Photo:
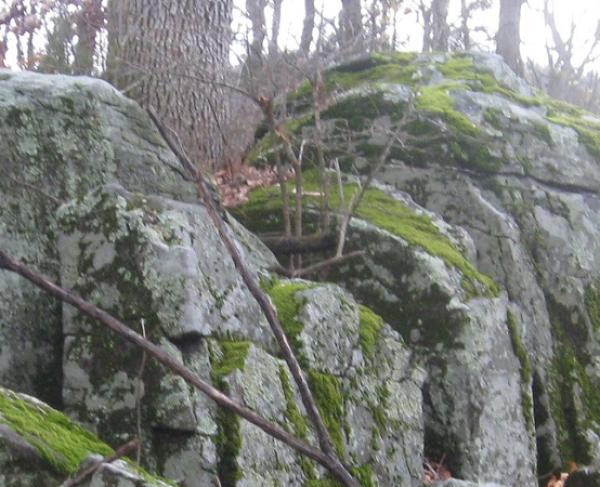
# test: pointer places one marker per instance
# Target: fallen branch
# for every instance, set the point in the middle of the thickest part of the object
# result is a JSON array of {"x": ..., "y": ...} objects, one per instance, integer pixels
[
  {"x": 299, "y": 245},
  {"x": 88, "y": 309},
  {"x": 334, "y": 465},
  {"x": 324, "y": 264},
  {"x": 92, "y": 469}
]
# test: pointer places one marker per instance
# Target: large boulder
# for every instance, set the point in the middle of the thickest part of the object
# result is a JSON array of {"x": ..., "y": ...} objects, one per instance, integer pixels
[
  {"x": 93, "y": 198},
  {"x": 159, "y": 265},
  {"x": 59, "y": 138},
  {"x": 493, "y": 181}
]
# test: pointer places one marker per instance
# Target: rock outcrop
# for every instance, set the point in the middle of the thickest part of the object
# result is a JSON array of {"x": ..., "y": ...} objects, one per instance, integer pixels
[
  {"x": 480, "y": 236},
  {"x": 481, "y": 239},
  {"x": 159, "y": 264},
  {"x": 93, "y": 198},
  {"x": 60, "y": 137}
]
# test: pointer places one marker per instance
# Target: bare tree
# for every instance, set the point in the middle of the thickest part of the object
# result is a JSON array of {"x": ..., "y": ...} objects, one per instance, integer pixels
[
  {"x": 275, "y": 25},
  {"x": 440, "y": 30},
  {"x": 308, "y": 26},
  {"x": 351, "y": 25},
  {"x": 154, "y": 48},
  {"x": 467, "y": 8},
  {"x": 508, "y": 37},
  {"x": 436, "y": 31},
  {"x": 566, "y": 77},
  {"x": 255, "y": 10}
]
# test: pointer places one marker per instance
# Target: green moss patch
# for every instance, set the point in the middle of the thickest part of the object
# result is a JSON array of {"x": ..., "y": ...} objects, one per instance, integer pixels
[
  {"x": 62, "y": 443},
  {"x": 436, "y": 99},
  {"x": 299, "y": 425},
  {"x": 397, "y": 68},
  {"x": 327, "y": 390},
  {"x": 592, "y": 304},
  {"x": 575, "y": 404},
  {"x": 359, "y": 111},
  {"x": 588, "y": 131},
  {"x": 230, "y": 357},
  {"x": 461, "y": 67},
  {"x": 363, "y": 474},
  {"x": 283, "y": 295},
  {"x": 389, "y": 214},
  {"x": 524, "y": 369},
  {"x": 370, "y": 326},
  {"x": 381, "y": 210},
  {"x": 233, "y": 355}
]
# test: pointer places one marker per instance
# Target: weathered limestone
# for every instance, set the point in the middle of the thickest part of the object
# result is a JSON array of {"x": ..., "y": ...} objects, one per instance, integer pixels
[
  {"x": 59, "y": 138},
  {"x": 142, "y": 258},
  {"x": 510, "y": 179}
]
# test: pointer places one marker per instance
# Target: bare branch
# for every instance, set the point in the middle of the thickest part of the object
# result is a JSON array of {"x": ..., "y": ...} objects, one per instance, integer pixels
[
  {"x": 319, "y": 266},
  {"x": 334, "y": 464},
  {"x": 87, "y": 308}
]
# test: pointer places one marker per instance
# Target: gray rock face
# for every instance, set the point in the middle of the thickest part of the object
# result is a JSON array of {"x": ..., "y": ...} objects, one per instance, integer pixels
[
  {"x": 141, "y": 258},
  {"x": 59, "y": 138},
  {"x": 511, "y": 179},
  {"x": 91, "y": 198},
  {"x": 475, "y": 402}
]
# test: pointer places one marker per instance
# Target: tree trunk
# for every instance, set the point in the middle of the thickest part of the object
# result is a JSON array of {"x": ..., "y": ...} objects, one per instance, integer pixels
[
  {"x": 351, "y": 28},
  {"x": 158, "y": 54},
  {"x": 255, "y": 9},
  {"x": 508, "y": 38},
  {"x": 275, "y": 24},
  {"x": 440, "y": 31},
  {"x": 426, "y": 13},
  {"x": 308, "y": 26},
  {"x": 465, "y": 33}
]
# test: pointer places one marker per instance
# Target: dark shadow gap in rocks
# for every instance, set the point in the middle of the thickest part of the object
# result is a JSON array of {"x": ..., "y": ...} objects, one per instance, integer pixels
[
  {"x": 188, "y": 342},
  {"x": 547, "y": 458},
  {"x": 438, "y": 443}
]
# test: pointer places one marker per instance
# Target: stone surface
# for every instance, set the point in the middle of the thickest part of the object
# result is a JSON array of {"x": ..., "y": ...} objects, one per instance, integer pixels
[
  {"x": 481, "y": 238},
  {"x": 156, "y": 260},
  {"x": 59, "y": 138},
  {"x": 511, "y": 178}
]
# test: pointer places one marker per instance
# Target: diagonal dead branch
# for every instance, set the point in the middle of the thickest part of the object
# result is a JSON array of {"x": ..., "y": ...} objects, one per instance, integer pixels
[
  {"x": 334, "y": 464},
  {"x": 88, "y": 309}
]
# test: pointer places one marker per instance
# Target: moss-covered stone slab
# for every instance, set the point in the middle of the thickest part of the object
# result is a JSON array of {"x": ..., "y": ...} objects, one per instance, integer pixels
[{"x": 41, "y": 446}]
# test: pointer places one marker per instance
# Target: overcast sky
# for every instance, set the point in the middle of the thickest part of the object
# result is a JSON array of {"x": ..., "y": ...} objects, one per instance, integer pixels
[{"x": 585, "y": 13}]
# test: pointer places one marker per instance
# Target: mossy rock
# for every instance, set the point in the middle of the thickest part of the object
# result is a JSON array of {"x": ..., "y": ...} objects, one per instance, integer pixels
[{"x": 57, "y": 444}]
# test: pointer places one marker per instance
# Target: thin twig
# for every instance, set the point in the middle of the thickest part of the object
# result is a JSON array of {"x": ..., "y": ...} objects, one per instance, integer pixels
[
  {"x": 18, "y": 182},
  {"x": 92, "y": 469},
  {"x": 324, "y": 264},
  {"x": 138, "y": 399}
]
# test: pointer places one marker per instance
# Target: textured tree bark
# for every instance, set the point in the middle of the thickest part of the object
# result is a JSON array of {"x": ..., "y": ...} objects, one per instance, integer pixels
[
  {"x": 508, "y": 38},
  {"x": 308, "y": 26},
  {"x": 275, "y": 24},
  {"x": 351, "y": 27},
  {"x": 440, "y": 31},
  {"x": 255, "y": 9},
  {"x": 155, "y": 50},
  {"x": 426, "y": 13}
]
